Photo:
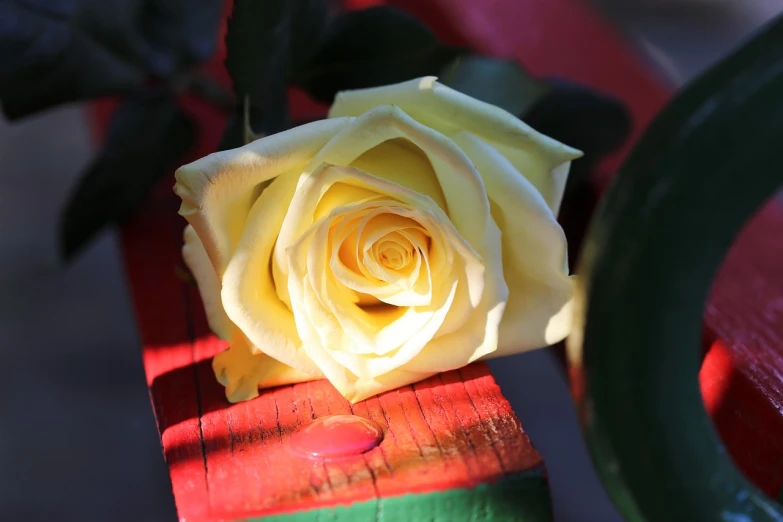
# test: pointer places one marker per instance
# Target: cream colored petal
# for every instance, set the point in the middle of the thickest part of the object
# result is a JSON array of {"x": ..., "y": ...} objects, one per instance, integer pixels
[
  {"x": 535, "y": 155},
  {"x": 243, "y": 371},
  {"x": 314, "y": 185},
  {"x": 249, "y": 295},
  {"x": 218, "y": 190},
  {"x": 329, "y": 332},
  {"x": 535, "y": 254},
  {"x": 359, "y": 390},
  {"x": 461, "y": 185},
  {"x": 299, "y": 219},
  {"x": 208, "y": 283},
  {"x": 364, "y": 331},
  {"x": 365, "y": 279},
  {"x": 402, "y": 161},
  {"x": 475, "y": 339},
  {"x": 477, "y": 335}
]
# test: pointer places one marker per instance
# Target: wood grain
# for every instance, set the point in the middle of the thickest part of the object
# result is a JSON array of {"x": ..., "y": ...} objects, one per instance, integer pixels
[{"x": 742, "y": 374}]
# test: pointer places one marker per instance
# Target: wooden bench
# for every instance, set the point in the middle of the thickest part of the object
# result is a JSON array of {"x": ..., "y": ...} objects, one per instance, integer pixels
[{"x": 453, "y": 442}]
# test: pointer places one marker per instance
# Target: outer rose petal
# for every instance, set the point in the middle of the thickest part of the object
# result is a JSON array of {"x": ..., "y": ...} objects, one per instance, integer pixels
[
  {"x": 218, "y": 190},
  {"x": 461, "y": 184},
  {"x": 242, "y": 372},
  {"x": 249, "y": 295},
  {"x": 535, "y": 254},
  {"x": 533, "y": 154},
  {"x": 208, "y": 283}
]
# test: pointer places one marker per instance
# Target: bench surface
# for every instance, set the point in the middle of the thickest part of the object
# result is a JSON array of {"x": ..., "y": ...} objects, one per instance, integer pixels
[{"x": 742, "y": 374}]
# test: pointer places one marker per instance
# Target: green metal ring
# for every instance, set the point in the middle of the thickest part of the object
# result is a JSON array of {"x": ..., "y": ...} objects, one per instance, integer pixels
[{"x": 707, "y": 163}]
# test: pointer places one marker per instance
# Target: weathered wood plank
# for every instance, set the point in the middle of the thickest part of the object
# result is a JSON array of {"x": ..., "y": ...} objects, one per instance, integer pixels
[{"x": 742, "y": 374}]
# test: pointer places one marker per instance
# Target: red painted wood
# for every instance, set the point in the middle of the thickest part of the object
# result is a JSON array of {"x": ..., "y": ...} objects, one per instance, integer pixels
[{"x": 742, "y": 374}]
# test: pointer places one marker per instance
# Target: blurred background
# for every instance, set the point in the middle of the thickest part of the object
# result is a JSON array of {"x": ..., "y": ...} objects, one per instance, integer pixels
[{"x": 77, "y": 435}]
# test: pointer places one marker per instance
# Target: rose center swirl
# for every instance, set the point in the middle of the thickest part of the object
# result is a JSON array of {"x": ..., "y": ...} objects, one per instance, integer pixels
[{"x": 383, "y": 255}]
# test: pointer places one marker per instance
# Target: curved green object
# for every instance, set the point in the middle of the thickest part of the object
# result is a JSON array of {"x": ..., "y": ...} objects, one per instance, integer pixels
[{"x": 711, "y": 159}]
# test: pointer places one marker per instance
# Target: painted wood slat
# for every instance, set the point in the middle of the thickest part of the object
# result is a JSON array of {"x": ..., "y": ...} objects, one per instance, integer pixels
[{"x": 742, "y": 374}]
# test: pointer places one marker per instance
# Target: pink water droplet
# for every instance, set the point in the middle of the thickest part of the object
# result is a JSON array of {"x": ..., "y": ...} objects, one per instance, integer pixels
[{"x": 336, "y": 437}]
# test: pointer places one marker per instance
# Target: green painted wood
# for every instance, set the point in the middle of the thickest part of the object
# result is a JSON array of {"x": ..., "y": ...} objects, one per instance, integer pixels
[
  {"x": 710, "y": 159},
  {"x": 519, "y": 498}
]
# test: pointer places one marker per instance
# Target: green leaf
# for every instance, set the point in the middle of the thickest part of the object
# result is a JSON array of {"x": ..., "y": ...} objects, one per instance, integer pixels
[
  {"x": 47, "y": 61},
  {"x": 309, "y": 21},
  {"x": 256, "y": 43},
  {"x": 184, "y": 275},
  {"x": 179, "y": 34},
  {"x": 61, "y": 51},
  {"x": 500, "y": 82},
  {"x": 372, "y": 47},
  {"x": 239, "y": 130},
  {"x": 148, "y": 135},
  {"x": 266, "y": 42}
]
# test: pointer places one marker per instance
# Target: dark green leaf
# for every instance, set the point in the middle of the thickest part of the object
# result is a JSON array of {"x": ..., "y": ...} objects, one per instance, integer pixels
[
  {"x": 309, "y": 20},
  {"x": 257, "y": 58},
  {"x": 60, "y": 51},
  {"x": 184, "y": 275},
  {"x": 148, "y": 135},
  {"x": 163, "y": 36},
  {"x": 180, "y": 33},
  {"x": 266, "y": 42},
  {"x": 113, "y": 24},
  {"x": 493, "y": 80},
  {"x": 239, "y": 129},
  {"x": 206, "y": 88},
  {"x": 48, "y": 61},
  {"x": 591, "y": 121},
  {"x": 371, "y": 47}
]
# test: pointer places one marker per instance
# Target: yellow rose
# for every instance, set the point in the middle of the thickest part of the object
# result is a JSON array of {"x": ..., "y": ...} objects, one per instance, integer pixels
[{"x": 411, "y": 232}]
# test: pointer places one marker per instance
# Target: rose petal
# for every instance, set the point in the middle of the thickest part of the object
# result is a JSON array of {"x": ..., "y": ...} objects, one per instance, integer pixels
[
  {"x": 218, "y": 190},
  {"x": 332, "y": 331},
  {"x": 249, "y": 295},
  {"x": 403, "y": 162},
  {"x": 208, "y": 283},
  {"x": 533, "y": 154},
  {"x": 477, "y": 336},
  {"x": 242, "y": 371},
  {"x": 535, "y": 254},
  {"x": 461, "y": 184}
]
